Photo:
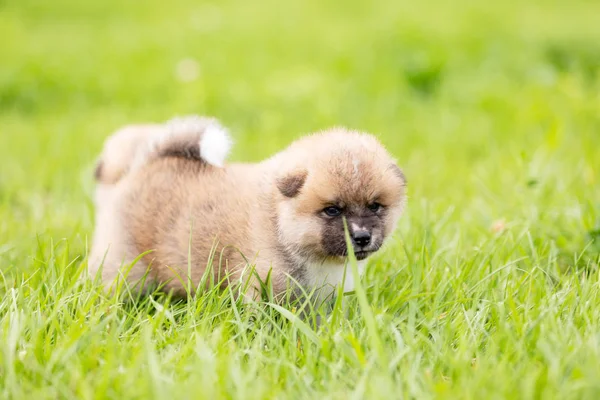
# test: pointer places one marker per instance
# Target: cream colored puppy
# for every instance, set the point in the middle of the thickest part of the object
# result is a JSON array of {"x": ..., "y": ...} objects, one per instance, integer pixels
[{"x": 166, "y": 191}]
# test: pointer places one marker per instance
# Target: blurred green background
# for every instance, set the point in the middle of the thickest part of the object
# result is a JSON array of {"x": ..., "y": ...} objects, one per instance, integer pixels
[
  {"x": 492, "y": 109},
  {"x": 488, "y": 107},
  {"x": 470, "y": 96}
]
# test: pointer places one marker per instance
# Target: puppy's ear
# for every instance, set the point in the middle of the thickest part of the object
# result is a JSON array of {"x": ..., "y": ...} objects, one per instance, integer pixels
[
  {"x": 290, "y": 184},
  {"x": 398, "y": 172}
]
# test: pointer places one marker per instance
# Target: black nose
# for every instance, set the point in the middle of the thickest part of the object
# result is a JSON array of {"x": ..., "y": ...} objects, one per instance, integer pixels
[{"x": 362, "y": 238}]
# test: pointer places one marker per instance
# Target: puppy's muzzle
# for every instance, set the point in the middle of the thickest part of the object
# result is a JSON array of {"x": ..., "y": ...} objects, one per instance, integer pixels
[{"x": 361, "y": 238}]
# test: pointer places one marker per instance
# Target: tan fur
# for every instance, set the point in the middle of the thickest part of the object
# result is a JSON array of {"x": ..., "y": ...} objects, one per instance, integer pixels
[
  {"x": 111, "y": 247},
  {"x": 121, "y": 149},
  {"x": 267, "y": 214}
]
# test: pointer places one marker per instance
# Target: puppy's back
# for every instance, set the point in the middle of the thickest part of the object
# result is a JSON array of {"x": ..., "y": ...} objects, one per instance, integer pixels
[
  {"x": 200, "y": 138},
  {"x": 187, "y": 211},
  {"x": 145, "y": 177}
]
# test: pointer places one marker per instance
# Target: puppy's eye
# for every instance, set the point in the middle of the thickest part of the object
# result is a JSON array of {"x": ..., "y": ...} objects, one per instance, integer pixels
[
  {"x": 332, "y": 211},
  {"x": 374, "y": 207}
]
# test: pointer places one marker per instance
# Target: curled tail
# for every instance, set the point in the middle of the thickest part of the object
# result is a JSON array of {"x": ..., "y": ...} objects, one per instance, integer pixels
[{"x": 200, "y": 138}]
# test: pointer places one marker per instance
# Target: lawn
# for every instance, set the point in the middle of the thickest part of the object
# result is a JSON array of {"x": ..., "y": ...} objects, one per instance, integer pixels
[{"x": 489, "y": 289}]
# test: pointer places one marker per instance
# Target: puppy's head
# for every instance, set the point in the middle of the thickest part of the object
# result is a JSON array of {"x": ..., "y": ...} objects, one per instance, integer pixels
[{"x": 330, "y": 176}]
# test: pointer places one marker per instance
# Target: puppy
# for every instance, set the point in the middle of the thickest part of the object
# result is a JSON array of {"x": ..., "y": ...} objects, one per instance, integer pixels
[{"x": 165, "y": 193}]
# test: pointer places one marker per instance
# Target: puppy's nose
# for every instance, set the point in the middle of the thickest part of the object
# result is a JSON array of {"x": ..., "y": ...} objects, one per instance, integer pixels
[{"x": 362, "y": 238}]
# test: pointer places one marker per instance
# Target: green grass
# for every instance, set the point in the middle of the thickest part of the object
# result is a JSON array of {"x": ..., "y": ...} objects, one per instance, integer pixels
[{"x": 491, "y": 288}]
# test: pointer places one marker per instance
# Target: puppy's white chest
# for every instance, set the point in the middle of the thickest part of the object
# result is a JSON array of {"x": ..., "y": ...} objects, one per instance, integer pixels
[{"x": 331, "y": 275}]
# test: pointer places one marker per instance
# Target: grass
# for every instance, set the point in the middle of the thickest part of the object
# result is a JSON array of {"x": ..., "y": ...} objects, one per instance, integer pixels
[{"x": 489, "y": 290}]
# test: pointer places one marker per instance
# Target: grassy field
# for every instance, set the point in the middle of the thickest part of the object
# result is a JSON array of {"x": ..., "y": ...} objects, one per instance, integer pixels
[{"x": 491, "y": 288}]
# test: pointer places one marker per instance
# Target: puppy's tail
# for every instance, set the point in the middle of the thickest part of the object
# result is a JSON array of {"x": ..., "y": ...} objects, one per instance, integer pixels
[{"x": 199, "y": 138}]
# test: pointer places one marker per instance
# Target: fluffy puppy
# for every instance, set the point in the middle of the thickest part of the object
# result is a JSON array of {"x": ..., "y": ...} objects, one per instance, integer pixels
[{"x": 164, "y": 192}]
